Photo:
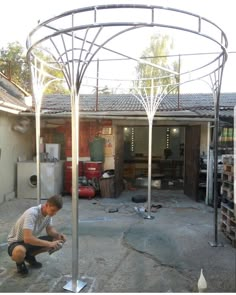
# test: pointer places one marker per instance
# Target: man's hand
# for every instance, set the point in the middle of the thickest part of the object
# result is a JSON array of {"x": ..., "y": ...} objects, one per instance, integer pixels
[
  {"x": 51, "y": 231},
  {"x": 56, "y": 244},
  {"x": 61, "y": 237}
]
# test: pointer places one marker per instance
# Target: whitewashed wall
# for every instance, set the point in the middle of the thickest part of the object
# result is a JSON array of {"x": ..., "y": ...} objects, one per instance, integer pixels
[{"x": 12, "y": 145}]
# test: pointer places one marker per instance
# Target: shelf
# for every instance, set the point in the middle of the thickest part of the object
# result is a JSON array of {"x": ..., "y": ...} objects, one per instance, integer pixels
[
  {"x": 228, "y": 182},
  {"x": 227, "y": 177},
  {"x": 228, "y": 223},
  {"x": 228, "y": 194},
  {"x": 227, "y": 187},
  {"x": 226, "y": 207},
  {"x": 139, "y": 167}
]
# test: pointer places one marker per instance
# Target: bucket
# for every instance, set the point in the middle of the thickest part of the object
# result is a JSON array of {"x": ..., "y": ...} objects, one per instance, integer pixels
[{"x": 107, "y": 187}]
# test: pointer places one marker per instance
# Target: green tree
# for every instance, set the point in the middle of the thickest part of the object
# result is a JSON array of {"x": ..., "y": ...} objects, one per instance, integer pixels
[
  {"x": 13, "y": 64},
  {"x": 157, "y": 53}
]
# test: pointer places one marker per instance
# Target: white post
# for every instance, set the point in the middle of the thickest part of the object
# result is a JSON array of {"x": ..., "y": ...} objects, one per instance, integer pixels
[
  {"x": 149, "y": 170},
  {"x": 37, "y": 126},
  {"x": 75, "y": 285},
  {"x": 150, "y": 121},
  {"x": 75, "y": 211},
  {"x": 208, "y": 162}
]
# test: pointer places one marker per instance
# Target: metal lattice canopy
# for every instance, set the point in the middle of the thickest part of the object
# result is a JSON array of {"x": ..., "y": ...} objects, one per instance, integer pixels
[{"x": 74, "y": 39}]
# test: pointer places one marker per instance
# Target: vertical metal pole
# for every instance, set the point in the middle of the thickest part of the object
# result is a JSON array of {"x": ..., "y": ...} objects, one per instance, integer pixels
[
  {"x": 74, "y": 131},
  {"x": 38, "y": 170},
  {"x": 97, "y": 81},
  {"x": 149, "y": 171},
  {"x": 208, "y": 162},
  {"x": 75, "y": 213},
  {"x": 216, "y": 96},
  {"x": 150, "y": 121},
  {"x": 179, "y": 82},
  {"x": 215, "y": 191},
  {"x": 75, "y": 285},
  {"x": 216, "y": 165},
  {"x": 210, "y": 169}
]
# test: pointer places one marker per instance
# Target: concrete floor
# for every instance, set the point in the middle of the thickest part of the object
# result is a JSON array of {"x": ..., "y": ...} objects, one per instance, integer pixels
[{"x": 123, "y": 252}]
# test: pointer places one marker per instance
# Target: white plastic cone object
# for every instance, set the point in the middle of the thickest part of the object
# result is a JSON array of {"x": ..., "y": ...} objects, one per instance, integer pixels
[{"x": 202, "y": 283}]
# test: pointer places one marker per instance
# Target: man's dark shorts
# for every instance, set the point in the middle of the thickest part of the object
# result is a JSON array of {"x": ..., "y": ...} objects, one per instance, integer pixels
[{"x": 29, "y": 248}]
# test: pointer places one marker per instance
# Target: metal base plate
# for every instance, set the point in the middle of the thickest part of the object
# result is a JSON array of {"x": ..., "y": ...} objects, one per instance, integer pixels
[
  {"x": 77, "y": 288},
  {"x": 214, "y": 244},
  {"x": 148, "y": 217}
]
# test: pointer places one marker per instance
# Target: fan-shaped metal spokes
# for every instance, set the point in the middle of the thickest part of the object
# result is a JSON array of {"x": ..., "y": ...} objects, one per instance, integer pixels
[
  {"x": 74, "y": 38},
  {"x": 90, "y": 29}
]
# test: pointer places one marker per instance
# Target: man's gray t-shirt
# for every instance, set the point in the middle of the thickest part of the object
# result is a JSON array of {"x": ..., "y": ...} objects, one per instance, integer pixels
[{"x": 32, "y": 219}]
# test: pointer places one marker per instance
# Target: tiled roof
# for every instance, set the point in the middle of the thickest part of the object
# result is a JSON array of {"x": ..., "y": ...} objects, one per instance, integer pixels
[
  {"x": 201, "y": 103},
  {"x": 198, "y": 104},
  {"x": 11, "y": 87},
  {"x": 11, "y": 97},
  {"x": 5, "y": 97}
]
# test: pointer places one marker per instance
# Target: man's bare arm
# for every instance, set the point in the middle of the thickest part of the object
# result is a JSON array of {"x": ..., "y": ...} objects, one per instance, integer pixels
[
  {"x": 51, "y": 231},
  {"x": 29, "y": 238}
]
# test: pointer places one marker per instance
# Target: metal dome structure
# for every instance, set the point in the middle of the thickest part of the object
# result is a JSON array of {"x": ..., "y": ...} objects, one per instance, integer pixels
[{"x": 73, "y": 39}]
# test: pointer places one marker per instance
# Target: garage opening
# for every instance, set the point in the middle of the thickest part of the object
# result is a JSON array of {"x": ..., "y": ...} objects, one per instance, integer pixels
[{"x": 167, "y": 156}]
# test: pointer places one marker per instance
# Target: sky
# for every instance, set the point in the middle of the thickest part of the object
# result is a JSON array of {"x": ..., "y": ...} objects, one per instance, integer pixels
[{"x": 18, "y": 18}]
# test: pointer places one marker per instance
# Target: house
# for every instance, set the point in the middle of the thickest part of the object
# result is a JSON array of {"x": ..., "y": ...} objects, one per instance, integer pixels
[
  {"x": 16, "y": 134},
  {"x": 192, "y": 115},
  {"x": 182, "y": 124}
]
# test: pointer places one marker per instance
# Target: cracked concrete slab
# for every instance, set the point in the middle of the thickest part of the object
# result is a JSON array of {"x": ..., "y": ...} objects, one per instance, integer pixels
[{"x": 122, "y": 252}]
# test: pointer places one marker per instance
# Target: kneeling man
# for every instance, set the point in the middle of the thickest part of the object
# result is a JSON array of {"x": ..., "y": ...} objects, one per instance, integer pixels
[{"x": 24, "y": 242}]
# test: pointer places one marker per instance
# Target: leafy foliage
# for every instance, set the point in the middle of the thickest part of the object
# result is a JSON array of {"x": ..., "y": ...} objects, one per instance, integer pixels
[
  {"x": 157, "y": 53},
  {"x": 13, "y": 64}
]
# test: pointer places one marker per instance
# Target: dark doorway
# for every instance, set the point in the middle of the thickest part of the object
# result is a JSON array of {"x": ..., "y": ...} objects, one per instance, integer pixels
[{"x": 167, "y": 155}]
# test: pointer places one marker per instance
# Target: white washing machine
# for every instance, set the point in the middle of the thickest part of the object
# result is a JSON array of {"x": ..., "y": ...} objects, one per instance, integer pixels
[{"x": 51, "y": 179}]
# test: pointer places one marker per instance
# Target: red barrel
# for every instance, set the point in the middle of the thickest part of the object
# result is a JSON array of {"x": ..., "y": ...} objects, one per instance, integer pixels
[
  {"x": 68, "y": 169},
  {"x": 93, "y": 170},
  {"x": 68, "y": 174}
]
